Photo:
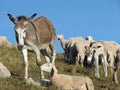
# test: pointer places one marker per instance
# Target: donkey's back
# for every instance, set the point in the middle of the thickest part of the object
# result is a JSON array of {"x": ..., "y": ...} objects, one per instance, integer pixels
[{"x": 45, "y": 28}]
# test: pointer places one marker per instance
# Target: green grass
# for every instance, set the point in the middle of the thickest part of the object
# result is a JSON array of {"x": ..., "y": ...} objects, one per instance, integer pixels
[{"x": 13, "y": 60}]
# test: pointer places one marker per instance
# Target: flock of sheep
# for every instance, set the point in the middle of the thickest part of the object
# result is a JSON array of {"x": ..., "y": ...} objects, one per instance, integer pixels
[{"x": 78, "y": 49}]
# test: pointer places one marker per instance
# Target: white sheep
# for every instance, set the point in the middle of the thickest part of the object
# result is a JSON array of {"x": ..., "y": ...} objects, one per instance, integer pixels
[
  {"x": 68, "y": 82},
  {"x": 70, "y": 52},
  {"x": 110, "y": 48},
  {"x": 67, "y": 46},
  {"x": 81, "y": 51},
  {"x": 94, "y": 51}
]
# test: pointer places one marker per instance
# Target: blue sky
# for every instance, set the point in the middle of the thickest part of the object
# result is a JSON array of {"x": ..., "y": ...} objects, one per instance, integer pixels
[{"x": 98, "y": 18}]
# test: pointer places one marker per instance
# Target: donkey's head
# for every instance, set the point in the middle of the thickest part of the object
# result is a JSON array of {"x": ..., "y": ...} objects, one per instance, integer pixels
[{"x": 20, "y": 27}]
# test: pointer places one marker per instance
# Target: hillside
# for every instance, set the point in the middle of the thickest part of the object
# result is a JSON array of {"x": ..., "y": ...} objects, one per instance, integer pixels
[{"x": 13, "y": 60}]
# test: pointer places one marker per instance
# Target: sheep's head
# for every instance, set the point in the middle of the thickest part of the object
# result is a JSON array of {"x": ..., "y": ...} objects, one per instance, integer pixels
[
  {"x": 89, "y": 54},
  {"x": 60, "y": 36},
  {"x": 89, "y": 38},
  {"x": 93, "y": 50}
]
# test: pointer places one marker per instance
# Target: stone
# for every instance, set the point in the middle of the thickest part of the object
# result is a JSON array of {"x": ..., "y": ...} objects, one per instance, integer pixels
[{"x": 4, "y": 72}]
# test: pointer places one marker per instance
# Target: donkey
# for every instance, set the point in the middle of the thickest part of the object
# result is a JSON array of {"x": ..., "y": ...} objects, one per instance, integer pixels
[{"x": 34, "y": 35}]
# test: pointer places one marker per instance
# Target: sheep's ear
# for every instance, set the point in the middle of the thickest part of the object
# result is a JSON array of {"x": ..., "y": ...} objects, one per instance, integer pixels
[
  {"x": 98, "y": 46},
  {"x": 31, "y": 17},
  {"x": 52, "y": 72},
  {"x": 91, "y": 44},
  {"x": 11, "y": 18}
]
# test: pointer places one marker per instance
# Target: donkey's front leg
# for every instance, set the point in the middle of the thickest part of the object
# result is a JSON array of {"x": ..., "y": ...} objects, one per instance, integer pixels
[
  {"x": 53, "y": 53},
  {"x": 25, "y": 56}
]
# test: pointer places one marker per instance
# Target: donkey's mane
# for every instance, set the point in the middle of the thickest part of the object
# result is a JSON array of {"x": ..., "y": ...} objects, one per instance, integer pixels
[{"x": 20, "y": 18}]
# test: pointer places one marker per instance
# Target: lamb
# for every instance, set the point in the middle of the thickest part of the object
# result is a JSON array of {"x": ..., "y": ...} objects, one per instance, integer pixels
[
  {"x": 67, "y": 82},
  {"x": 94, "y": 51},
  {"x": 81, "y": 51},
  {"x": 70, "y": 52}
]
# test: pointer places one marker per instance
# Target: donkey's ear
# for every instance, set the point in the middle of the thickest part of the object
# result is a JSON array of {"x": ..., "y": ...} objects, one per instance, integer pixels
[
  {"x": 11, "y": 18},
  {"x": 31, "y": 17}
]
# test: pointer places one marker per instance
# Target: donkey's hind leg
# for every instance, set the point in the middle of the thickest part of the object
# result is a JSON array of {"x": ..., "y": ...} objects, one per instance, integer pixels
[
  {"x": 53, "y": 53},
  {"x": 38, "y": 61},
  {"x": 45, "y": 54}
]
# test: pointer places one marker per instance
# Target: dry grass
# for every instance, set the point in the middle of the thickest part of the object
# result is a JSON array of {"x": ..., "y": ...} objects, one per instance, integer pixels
[{"x": 13, "y": 60}]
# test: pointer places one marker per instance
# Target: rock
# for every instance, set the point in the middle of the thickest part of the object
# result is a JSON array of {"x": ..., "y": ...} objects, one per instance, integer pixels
[
  {"x": 4, "y": 41},
  {"x": 4, "y": 72}
]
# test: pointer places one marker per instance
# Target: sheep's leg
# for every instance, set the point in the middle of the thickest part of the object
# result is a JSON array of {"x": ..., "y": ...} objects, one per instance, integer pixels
[
  {"x": 104, "y": 63},
  {"x": 111, "y": 62},
  {"x": 70, "y": 56},
  {"x": 115, "y": 77},
  {"x": 117, "y": 63},
  {"x": 96, "y": 67},
  {"x": 82, "y": 60},
  {"x": 65, "y": 56},
  {"x": 77, "y": 59},
  {"x": 25, "y": 56}
]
